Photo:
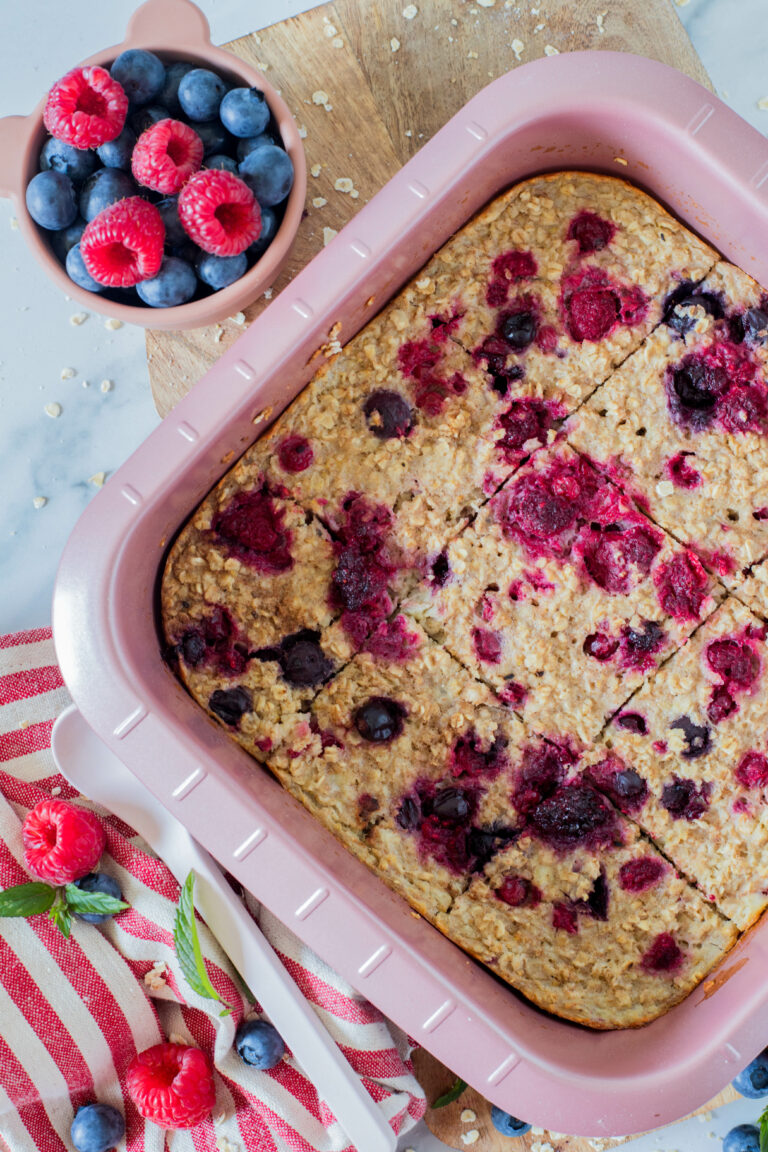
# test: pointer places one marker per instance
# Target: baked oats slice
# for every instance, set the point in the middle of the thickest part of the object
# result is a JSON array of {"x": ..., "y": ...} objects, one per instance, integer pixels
[
  {"x": 754, "y": 591},
  {"x": 558, "y": 281},
  {"x": 682, "y": 425},
  {"x": 695, "y": 741},
  {"x": 247, "y": 613},
  {"x": 562, "y": 596}
]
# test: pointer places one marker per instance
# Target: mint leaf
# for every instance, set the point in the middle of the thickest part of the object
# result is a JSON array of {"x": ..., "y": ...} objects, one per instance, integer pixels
[
  {"x": 187, "y": 943},
  {"x": 452, "y": 1093},
  {"x": 27, "y": 899},
  {"x": 59, "y": 913},
  {"x": 763, "y": 1123},
  {"x": 89, "y": 902}
]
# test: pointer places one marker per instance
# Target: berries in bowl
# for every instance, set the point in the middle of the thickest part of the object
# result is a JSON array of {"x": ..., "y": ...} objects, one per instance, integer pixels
[{"x": 160, "y": 186}]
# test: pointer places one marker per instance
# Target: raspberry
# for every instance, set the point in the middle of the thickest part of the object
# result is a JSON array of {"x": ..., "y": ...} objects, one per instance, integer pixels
[
  {"x": 166, "y": 155},
  {"x": 86, "y": 108},
  {"x": 124, "y": 243},
  {"x": 219, "y": 212},
  {"x": 171, "y": 1085},
  {"x": 61, "y": 842}
]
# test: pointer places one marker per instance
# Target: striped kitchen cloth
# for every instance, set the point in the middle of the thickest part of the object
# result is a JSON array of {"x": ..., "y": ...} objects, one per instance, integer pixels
[{"x": 73, "y": 1013}]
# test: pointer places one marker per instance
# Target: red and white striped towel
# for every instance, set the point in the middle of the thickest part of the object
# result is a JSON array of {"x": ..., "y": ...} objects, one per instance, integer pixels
[{"x": 73, "y": 1013}]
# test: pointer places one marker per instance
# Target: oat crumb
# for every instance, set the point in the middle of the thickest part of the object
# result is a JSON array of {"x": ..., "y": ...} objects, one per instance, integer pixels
[
  {"x": 239, "y": 317},
  {"x": 218, "y": 333},
  {"x": 763, "y": 103},
  {"x": 408, "y": 133},
  {"x": 550, "y": 50},
  {"x": 315, "y": 170},
  {"x": 112, "y": 324},
  {"x": 354, "y": 194},
  {"x": 56, "y": 790},
  {"x": 107, "y": 385},
  {"x": 472, "y": 55},
  {"x": 470, "y": 1137},
  {"x": 599, "y": 21},
  {"x": 344, "y": 184},
  {"x": 410, "y": 12},
  {"x": 39, "y": 501},
  {"x": 177, "y": 1038},
  {"x": 97, "y": 479},
  {"x": 537, "y": 1146},
  {"x": 86, "y": 383},
  {"x": 302, "y": 130},
  {"x": 517, "y": 48},
  {"x": 337, "y": 42},
  {"x": 319, "y": 202},
  {"x": 155, "y": 977},
  {"x": 330, "y": 30},
  {"x": 539, "y": 27},
  {"x": 621, "y": 160},
  {"x": 78, "y": 319},
  {"x": 320, "y": 97},
  {"x": 14, "y": 224},
  {"x": 24, "y": 724},
  {"x": 223, "y": 1144},
  {"x": 681, "y": 3},
  {"x": 394, "y": 43},
  {"x": 486, "y": 3},
  {"x": 468, "y": 1116},
  {"x": 67, "y": 373},
  {"x": 268, "y": 294},
  {"x": 53, "y": 410}
]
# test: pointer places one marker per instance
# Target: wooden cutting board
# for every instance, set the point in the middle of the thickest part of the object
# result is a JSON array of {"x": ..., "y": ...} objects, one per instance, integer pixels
[{"x": 391, "y": 82}]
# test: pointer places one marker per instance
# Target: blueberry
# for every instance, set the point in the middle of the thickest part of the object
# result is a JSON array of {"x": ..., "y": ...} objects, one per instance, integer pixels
[
  {"x": 215, "y": 138},
  {"x": 450, "y": 805},
  {"x": 141, "y": 74},
  {"x": 259, "y": 1044},
  {"x": 62, "y": 241},
  {"x": 77, "y": 163},
  {"x": 269, "y": 226},
  {"x": 244, "y": 112},
  {"x": 379, "y": 719},
  {"x": 174, "y": 284},
  {"x": 245, "y": 147},
  {"x": 388, "y": 414},
  {"x": 169, "y": 211},
  {"x": 78, "y": 273},
  {"x": 200, "y": 94},
  {"x": 96, "y": 1128},
  {"x": 169, "y": 94},
  {"x": 105, "y": 187},
  {"x": 98, "y": 882},
  {"x": 117, "y": 153},
  {"x": 752, "y": 1082},
  {"x": 144, "y": 117},
  {"x": 230, "y": 704},
  {"x": 268, "y": 172},
  {"x": 742, "y": 1138},
  {"x": 222, "y": 163},
  {"x": 220, "y": 271},
  {"x": 508, "y": 1125},
  {"x": 519, "y": 329},
  {"x": 51, "y": 200}
]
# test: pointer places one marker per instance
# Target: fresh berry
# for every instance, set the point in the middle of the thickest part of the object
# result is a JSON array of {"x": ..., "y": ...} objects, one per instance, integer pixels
[
  {"x": 222, "y": 164},
  {"x": 244, "y": 112},
  {"x": 259, "y": 1044},
  {"x": 124, "y": 243},
  {"x": 174, "y": 284},
  {"x": 268, "y": 172},
  {"x": 742, "y": 1138},
  {"x": 175, "y": 236},
  {"x": 146, "y": 117},
  {"x": 219, "y": 212},
  {"x": 66, "y": 238},
  {"x": 269, "y": 226},
  {"x": 51, "y": 200},
  {"x": 61, "y": 842},
  {"x": 166, "y": 155},
  {"x": 77, "y": 271},
  {"x": 86, "y": 108},
  {"x": 245, "y": 147},
  {"x": 200, "y": 94},
  {"x": 379, "y": 719},
  {"x": 169, "y": 93},
  {"x": 105, "y": 187},
  {"x": 117, "y": 153},
  {"x": 221, "y": 271},
  {"x": 507, "y": 1124},
  {"x": 141, "y": 74},
  {"x": 171, "y": 1085},
  {"x": 73, "y": 162},
  {"x": 214, "y": 136},
  {"x": 98, "y": 882},
  {"x": 752, "y": 1081},
  {"x": 96, "y": 1128}
]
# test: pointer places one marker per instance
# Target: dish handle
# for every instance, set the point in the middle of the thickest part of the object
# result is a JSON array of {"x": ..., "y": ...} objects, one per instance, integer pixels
[
  {"x": 14, "y": 136},
  {"x": 176, "y": 22}
]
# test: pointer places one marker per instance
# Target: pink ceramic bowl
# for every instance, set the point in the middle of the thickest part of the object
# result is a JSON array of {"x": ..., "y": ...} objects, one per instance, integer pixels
[{"x": 175, "y": 30}]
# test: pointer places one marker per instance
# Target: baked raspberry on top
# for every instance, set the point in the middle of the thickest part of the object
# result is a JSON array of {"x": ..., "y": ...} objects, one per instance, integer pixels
[
  {"x": 702, "y": 751},
  {"x": 563, "y": 590},
  {"x": 683, "y": 423}
]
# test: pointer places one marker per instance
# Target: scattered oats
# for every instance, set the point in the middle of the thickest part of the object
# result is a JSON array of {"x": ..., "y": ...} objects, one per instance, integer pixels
[
  {"x": 112, "y": 324},
  {"x": 177, "y": 1038},
  {"x": 53, "y": 410},
  {"x": 763, "y": 104},
  {"x": 455, "y": 22},
  {"x": 39, "y": 501},
  {"x": 239, "y": 317},
  {"x": 705, "y": 1117},
  {"x": 316, "y": 169},
  {"x": 218, "y": 332},
  {"x": 517, "y": 48},
  {"x": 224, "y": 1144},
  {"x": 409, "y": 133},
  {"x": 14, "y": 224},
  {"x": 24, "y": 724},
  {"x": 328, "y": 235},
  {"x": 394, "y": 43},
  {"x": 107, "y": 385},
  {"x": 97, "y": 479},
  {"x": 486, "y": 3},
  {"x": 549, "y": 50},
  {"x": 344, "y": 184},
  {"x": 410, "y": 12},
  {"x": 537, "y": 1146},
  {"x": 337, "y": 42},
  {"x": 472, "y": 55},
  {"x": 330, "y": 30},
  {"x": 319, "y": 97},
  {"x": 621, "y": 160},
  {"x": 470, "y": 1137},
  {"x": 86, "y": 383},
  {"x": 468, "y": 1116},
  {"x": 354, "y": 194},
  {"x": 56, "y": 790},
  {"x": 302, "y": 131},
  {"x": 539, "y": 27},
  {"x": 67, "y": 373},
  {"x": 319, "y": 202},
  {"x": 681, "y": 3},
  {"x": 599, "y": 21},
  {"x": 268, "y": 294},
  {"x": 78, "y": 319}
]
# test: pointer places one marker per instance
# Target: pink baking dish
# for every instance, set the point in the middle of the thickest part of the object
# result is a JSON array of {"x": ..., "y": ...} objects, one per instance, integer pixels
[
  {"x": 174, "y": 29},
  {"x": 602, "y": 111}
]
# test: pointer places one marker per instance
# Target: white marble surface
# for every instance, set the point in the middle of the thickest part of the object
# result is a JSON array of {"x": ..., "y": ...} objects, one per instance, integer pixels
[{"x": 54, "y": 458}]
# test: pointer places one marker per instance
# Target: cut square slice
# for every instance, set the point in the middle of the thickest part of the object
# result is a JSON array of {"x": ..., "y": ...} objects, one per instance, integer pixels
[
  {"x": 682, "y": 425},
  {"x": 694, "y": 739},
  {"x": 562, "y": 596}
]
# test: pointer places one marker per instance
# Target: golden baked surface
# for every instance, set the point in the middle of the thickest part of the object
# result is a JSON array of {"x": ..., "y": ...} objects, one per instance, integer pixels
[{"x": 490, "y": 598}]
